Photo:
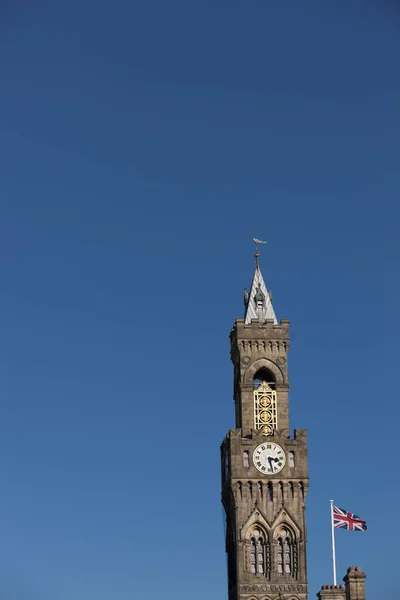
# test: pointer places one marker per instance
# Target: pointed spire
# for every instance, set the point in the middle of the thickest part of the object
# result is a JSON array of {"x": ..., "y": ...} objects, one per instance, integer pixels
[{"x": 258, "y": 302}]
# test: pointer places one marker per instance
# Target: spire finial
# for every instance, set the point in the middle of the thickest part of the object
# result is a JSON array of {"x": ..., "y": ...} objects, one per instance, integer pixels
[{"x": 257, "y": 254}]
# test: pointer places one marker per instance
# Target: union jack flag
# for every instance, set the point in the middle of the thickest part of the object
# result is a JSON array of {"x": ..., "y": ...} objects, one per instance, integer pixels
[{"x": 347, "y": 520}]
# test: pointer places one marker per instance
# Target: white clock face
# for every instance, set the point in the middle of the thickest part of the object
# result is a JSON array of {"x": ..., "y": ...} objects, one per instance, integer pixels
[{"x": 269, "y": 458}]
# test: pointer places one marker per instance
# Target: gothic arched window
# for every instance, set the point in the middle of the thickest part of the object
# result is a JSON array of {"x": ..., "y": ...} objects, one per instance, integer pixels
[
  {"x": 259, "y": 559},
  {"x": 286, "y": 559},
  {"x": 253, "y": 556},
  {"x": 264, "y": 393},
  {"x": 260, "y": 556},
  {"x": 280, "y": 556},
  {"x": 264, "y": 375}
]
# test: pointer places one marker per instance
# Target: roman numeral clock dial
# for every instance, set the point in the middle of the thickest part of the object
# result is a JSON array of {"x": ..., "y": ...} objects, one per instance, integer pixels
[{"x": 269, "y": 458}]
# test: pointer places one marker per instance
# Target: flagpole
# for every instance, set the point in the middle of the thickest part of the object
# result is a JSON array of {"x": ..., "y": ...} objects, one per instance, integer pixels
[{"x": 333, "y": 544}]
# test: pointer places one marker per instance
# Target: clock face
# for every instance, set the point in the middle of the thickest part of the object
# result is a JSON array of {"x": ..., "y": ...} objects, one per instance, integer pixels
[{"x": 269, "y": 458}]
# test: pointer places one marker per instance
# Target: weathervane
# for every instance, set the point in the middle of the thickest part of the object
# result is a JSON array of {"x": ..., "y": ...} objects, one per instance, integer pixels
[{"x": 257, "y": 254}]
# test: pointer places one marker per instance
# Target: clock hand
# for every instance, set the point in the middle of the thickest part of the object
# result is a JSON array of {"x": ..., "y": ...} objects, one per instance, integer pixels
[{"x": 272, "y": 459}]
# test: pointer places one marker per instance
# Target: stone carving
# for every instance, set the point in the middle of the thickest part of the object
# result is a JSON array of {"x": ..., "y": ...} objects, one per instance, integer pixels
[
  {"x": 249, "y": 589},
  {"x": 246, "y": 360},
  {"x": 280, "y": 360}
]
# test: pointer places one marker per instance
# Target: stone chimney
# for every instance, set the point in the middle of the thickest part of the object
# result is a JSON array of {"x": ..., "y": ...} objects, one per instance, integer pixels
[
  {"x": 355, "y": 583},
  {"x": 354, "y": 588}
]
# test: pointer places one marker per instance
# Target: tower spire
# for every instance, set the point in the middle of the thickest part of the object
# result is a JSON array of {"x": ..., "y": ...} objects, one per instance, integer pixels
[
  {"x": 257, "y": 254},
  {"x": 258, "y": 302}
]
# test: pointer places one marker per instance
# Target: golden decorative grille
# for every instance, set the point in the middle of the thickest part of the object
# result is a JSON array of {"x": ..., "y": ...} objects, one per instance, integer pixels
[{"x": 265, "y": 408}]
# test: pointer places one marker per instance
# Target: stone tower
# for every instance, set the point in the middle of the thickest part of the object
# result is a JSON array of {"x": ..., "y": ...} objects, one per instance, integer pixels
[{"x": 264, "y": 468}]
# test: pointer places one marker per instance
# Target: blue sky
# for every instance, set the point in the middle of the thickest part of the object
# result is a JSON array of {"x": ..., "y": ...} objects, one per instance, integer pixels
[{"x": 143, "y": 146}]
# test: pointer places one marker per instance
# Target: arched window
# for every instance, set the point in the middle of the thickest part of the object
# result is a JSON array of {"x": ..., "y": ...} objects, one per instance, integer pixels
[
  {"x": 280, "y": 556},
  {"x": 286, "y": 558},
  {"x": 264, "y": 376},
  {"x": 264, "y": 393},
  {"x": 259, "y": 553},
  {"x": 260, "y": 556},
  {"x": 291, "y": 460},
  {"x": 253, "y": 557}
]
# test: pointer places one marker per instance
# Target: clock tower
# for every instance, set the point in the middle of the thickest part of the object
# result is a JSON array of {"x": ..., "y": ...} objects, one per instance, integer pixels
[{"x": 264, "y": 467}]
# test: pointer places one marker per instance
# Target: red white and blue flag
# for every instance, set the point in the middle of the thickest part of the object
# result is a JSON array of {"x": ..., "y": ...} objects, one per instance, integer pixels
[{"x": 347, "y": 520}]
